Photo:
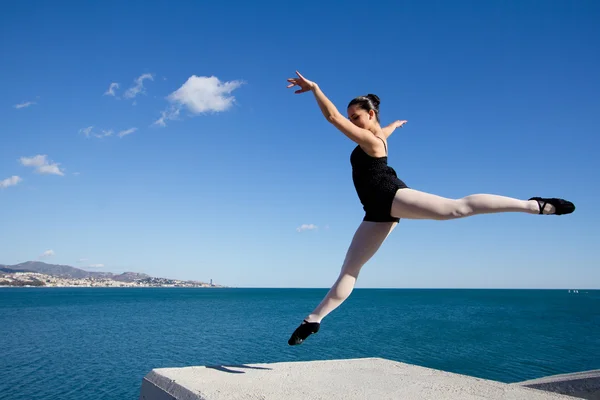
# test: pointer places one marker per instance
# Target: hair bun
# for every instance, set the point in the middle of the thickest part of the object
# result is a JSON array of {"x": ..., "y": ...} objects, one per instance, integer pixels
[{"x": 374, "y": 99}]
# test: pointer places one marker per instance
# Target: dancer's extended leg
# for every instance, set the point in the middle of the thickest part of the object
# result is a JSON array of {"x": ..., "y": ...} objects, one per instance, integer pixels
[
  {"x": 413, "y": 204},
  {"x": 366, "y": 241}
]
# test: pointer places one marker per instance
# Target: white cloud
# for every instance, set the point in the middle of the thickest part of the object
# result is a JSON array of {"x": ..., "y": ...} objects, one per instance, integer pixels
[
  {"x": 89, "y": 131},
  {"x": 13, "y": 180},
  {"x": 171, "y": 113},
  {"x": 200, "y": 94},
  {"x": 126, "y": 132},
  {"x": 40, "y": 162},
  {"x": 138, "y": 87},
  {"x": 47, "y": 253},
  {"x": 204, "y": 94},
  {"x": 36, "y": 161},
  {"x": 96, "y": 265},
  {"x": 111, "y": 89},
  {"x": 50, "y": 169},
  {"x": 306, "y": 227},
  {"x": 82, "y": 260},
  {"x": 86, "y": 131},
  {"x": 24, "y": 104}
]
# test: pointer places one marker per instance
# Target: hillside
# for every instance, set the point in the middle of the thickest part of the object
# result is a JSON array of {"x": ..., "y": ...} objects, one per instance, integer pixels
[{"x": 67, "y": 271}]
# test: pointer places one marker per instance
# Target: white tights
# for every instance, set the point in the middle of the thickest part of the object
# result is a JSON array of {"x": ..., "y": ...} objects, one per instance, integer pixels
[{"x": 411, "y": 204}]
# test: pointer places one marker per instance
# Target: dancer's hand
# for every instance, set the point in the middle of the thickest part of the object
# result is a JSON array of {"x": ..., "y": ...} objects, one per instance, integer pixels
[
  {"x": 305, "y": 84},
  {"x": 389, "y": 129},
  {"x": 399, "y": 123}
]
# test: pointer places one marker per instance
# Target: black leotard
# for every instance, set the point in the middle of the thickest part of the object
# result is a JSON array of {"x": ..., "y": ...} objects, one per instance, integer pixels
[{"x": 376, "y": 184}]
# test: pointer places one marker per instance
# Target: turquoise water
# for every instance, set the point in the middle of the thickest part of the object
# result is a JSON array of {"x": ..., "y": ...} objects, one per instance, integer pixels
[{"x": 97, "y": 343}]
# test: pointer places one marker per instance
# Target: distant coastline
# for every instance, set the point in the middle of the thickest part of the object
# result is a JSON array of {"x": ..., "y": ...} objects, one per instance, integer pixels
[
  {"x": 39, "y": 274},
  {"x": 34, "y": 279}
]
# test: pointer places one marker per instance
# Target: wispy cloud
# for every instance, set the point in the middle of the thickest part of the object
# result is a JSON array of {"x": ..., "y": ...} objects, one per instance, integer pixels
[
  {"x": 138, "y": 87},
  {"x": 199, "y": 95},
  {"x": 86, "y": 131},
  {"x": 306, "y": 227},
  {"x": 89, "y": 132},
  {"x": 42, "y": 165},
  {"x": 47, "y": 253},
  {"x": 171, "y": 113},
  {"x": 102, "y": 133},
  {"x": 25, "y": 104},
  {"x": 83, "y": 260},
  {"x": 126, "y": 132},
  {"x": 111, "y": 89},
  {"x": 12, "y": 181}
]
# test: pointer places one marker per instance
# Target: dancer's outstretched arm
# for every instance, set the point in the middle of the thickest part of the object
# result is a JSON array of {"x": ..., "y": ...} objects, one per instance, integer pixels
[
  {"x": 361, "y": 136},
  {"x": 388, "y": 130}
]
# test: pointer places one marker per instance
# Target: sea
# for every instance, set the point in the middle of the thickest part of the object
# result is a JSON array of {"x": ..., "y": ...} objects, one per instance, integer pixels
[{"x": 99, "y": 343}]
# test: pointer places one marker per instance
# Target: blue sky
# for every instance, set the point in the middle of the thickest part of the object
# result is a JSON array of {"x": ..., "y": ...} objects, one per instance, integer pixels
[{"x": 202, "y": 165}]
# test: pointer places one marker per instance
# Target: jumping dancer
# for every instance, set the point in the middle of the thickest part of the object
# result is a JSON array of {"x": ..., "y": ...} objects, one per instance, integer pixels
[{"x": 386, "y": 199}]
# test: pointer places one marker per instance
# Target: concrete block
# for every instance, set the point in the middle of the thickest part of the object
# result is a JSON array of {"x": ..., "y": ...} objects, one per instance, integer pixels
[
  {"x": 363, "y": 378},
  {"x": 585, "y": 385}
]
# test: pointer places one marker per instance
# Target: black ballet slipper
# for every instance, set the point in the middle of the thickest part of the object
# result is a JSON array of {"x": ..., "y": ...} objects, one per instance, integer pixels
[
  {"x": 561, "y": 206},
  {"x": 303, "y": 331}
]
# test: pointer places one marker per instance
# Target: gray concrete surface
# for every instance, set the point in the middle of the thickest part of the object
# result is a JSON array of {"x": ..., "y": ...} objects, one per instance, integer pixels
[
  {"x": 364, "y": 378},
  {"x": 585, "y": 385}
]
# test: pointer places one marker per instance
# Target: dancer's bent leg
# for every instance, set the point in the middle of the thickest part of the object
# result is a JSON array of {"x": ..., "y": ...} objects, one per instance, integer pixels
[
  {"x": 366, "y": 241},
  {"x": 413, "y": 204}
]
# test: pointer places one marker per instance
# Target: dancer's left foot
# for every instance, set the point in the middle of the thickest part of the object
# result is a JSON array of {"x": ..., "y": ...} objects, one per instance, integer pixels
[
  {"x": 554, "y": 206},
  {"x": 303, "y": 331}
]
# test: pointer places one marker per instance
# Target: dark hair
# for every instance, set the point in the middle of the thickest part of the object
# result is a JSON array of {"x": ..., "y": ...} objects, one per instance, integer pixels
[{"x": 368, "y": 103}]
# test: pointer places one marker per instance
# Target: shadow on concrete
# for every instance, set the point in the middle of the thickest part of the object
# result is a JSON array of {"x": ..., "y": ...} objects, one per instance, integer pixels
[{"x": 225, "y": 368}]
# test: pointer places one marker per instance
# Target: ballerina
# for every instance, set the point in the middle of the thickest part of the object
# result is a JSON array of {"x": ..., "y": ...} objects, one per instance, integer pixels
[{"x": 386, "y": 198}]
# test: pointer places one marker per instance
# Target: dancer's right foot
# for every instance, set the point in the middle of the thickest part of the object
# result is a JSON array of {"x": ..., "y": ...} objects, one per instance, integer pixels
[
  {"x": 554, "y": 206},
  {"x": 303, "y": 331}
]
